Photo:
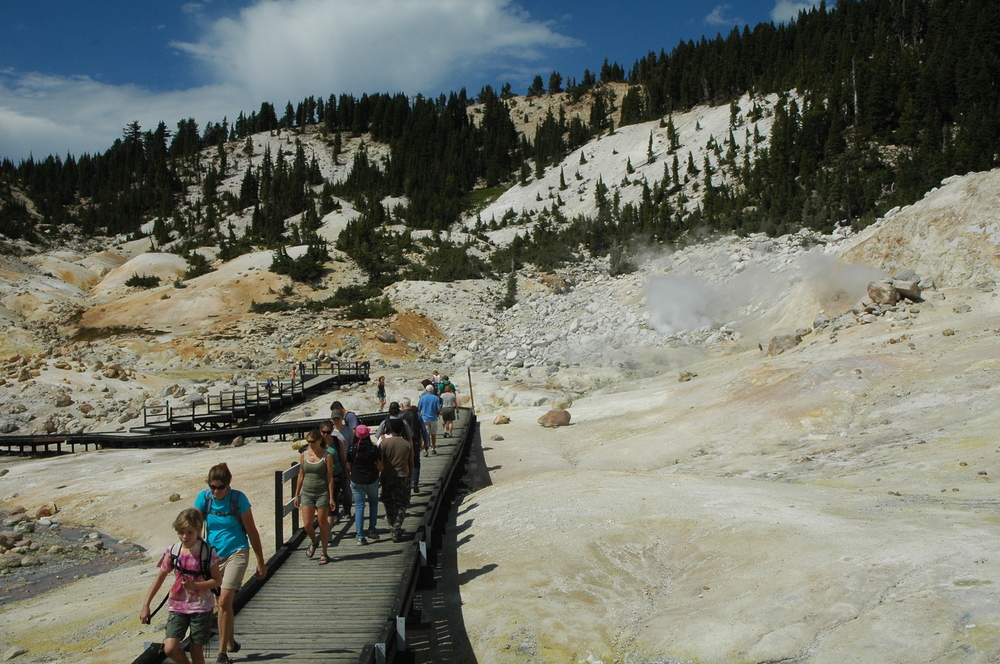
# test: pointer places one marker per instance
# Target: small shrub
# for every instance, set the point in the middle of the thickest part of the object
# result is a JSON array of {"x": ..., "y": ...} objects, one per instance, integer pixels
[
  {"x": 374, "y": 308},
  {"x": 142, "y": 281}
]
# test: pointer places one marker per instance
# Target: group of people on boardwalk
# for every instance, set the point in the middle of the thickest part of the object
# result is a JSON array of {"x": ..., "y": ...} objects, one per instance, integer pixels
[
  {"x": 208, "y": 569},
  {"x": 343, "y": 464}
]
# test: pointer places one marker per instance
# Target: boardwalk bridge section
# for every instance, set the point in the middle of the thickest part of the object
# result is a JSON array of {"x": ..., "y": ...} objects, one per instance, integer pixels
[
  {"x": 241, "y": 411},
  {"x": 357, "y": 608}
]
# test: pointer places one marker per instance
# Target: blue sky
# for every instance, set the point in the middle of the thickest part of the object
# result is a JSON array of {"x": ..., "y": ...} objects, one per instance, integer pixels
[{"x": 73, "y": 74}]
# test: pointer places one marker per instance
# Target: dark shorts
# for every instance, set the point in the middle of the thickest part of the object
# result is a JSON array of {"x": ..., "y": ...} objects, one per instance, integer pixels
[
  {"x": 448, "y": 414},
  {"x": 201, "y": 625}
]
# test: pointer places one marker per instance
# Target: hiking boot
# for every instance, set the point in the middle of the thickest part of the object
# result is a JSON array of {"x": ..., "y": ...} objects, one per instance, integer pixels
[
  {"x": 397, "y": 537},
  {"x": 416, "y": 489},
  {"x": 373, "y": 535}
]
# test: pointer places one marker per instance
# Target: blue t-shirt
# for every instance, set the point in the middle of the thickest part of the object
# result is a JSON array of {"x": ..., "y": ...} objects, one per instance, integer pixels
[
  {"x": 429, "y": 405},
  {"x": 225, "y": 530}
]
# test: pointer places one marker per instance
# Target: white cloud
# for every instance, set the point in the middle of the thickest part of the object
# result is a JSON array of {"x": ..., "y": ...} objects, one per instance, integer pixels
[
  {"x": 278, "y": 50},
  {"x": 284, "y": 49},
  {"x": 788, "y": 10},
  {"x": 42, "y": 114},
  {"x": 719, "y": 16}
]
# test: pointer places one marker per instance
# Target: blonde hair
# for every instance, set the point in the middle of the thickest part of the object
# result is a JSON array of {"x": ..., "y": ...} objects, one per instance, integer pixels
[
  {"x": 314, "y": 436},
  {"x": 189, "y": 518}
]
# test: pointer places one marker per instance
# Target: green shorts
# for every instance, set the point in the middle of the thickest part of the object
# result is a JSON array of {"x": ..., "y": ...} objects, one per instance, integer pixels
[{"x": 200, "y": 623}]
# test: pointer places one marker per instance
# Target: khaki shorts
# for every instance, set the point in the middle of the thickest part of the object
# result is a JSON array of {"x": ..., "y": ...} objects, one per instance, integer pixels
[
  {"x": 234, "y": 568},
  {"x": 432, "y": 427}
]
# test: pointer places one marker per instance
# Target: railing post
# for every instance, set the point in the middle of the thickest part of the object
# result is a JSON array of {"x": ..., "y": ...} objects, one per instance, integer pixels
[
  {"x": 400, "y": 633},
  {"x": 279, "y": 511}
]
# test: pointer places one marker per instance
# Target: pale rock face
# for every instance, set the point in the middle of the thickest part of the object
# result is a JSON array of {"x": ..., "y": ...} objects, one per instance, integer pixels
[{"x": 707, "y": 502}]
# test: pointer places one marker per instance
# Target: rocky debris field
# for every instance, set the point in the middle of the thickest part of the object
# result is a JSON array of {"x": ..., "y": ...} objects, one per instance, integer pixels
[
  {"x": 804, "y": 424},
  {"x": 38, "y": 553}
]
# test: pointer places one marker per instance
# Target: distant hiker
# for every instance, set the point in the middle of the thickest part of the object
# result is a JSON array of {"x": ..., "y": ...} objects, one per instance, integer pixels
[
  {"x": 445, "y": 383},
  {"x": 429, "y": 406},
  {"x": 232, "y": 531},
  {"x": 365, "y": 463},
  {"x": 190, "y": 601},
  {"x": 293, "y": 373},
  {"x": 448, "y": 409},
  {"x": 421, "y": 439},
  {"x": 336, "y": 445},
  {"x": 436, "y": 381},
  {"x": 397, "y": 457},
  {"x": 314, "y": 492},
  {"x": 380, "y": 392},
  {"x": 270, "y": 386},
  {"x": 350, "y": 417}
]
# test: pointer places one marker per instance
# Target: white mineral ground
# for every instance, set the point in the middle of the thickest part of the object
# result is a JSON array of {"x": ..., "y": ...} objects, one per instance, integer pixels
[{"x": 830, "y": 504}]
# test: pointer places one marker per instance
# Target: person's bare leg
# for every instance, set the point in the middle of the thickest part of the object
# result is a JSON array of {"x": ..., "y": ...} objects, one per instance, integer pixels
[
  {"x": 226, "y": 619},
  {"x": 172, "y": 649},
  {"x": 324, "y": 529}
]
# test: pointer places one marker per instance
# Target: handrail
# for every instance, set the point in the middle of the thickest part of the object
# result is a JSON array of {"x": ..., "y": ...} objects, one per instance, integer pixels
[
  {"x": 392, "y": 638},
  {"x": 283, "y": 508}
]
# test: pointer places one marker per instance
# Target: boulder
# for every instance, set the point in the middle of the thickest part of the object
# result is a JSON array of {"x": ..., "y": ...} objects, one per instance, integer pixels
[
  {"x": 908, "y": 288},
  {"x": 881, "y": 292},
  {"x": 782, "y": 342},
  {"x": 385, "y": 336},
  {"x": 557, "y": 417},
  {"x": 501, "y": 419}
]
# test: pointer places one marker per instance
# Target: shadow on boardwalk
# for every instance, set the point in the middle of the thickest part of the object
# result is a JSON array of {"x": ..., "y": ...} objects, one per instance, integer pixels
[{"x": 442, "y": 638}]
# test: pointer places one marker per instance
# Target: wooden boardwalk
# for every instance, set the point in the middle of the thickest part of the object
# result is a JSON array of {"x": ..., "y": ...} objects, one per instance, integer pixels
[{"x": 343, "y": 611}]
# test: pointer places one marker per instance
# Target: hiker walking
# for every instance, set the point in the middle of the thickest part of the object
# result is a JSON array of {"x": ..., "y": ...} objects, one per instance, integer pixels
[
  {"x": 380, "y": 392},
  {"x": 397, "y": 457},
  {"x": 365, "y": 463},
  {"x": 231, "y": 530},
  {"x": 190, "y": 600},
  {"x": 314, "y": 492}
]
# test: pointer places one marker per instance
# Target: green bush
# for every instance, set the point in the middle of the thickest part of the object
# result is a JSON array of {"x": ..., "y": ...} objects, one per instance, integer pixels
[
  {"x": 374, "y": 308},
  {"x": 197, "y": 265},
  {"x": 142, "y": 281}
]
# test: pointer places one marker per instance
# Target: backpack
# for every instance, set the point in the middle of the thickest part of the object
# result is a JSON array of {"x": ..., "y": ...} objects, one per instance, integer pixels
[
  {"x": 365, "y": 450},
  {"x": 205, "y": 562},
  {"x": 234, "y": 508}
]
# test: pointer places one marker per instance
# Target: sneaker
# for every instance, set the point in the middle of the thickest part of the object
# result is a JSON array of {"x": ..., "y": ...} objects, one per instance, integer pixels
[
  {"x": 373, "y": 535},
  {"x": 397, "y": 537},
  {"x": 362, "y": 541},
  {"x": 434, "y": 451},
  {"x": 426, "y": 453},
  {"x": 223, "y": 658}
]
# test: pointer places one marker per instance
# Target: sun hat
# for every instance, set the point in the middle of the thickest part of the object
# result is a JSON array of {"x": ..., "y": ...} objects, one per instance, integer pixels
[{"x": 362, "y": 432}]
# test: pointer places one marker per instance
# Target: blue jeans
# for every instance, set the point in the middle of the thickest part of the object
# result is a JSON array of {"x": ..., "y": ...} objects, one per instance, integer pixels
[{"x": 365, "y": 493}]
